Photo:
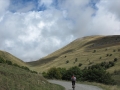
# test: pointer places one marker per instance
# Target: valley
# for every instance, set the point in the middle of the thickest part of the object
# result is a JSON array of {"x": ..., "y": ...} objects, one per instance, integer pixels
[{"x": 82, "y": 52}]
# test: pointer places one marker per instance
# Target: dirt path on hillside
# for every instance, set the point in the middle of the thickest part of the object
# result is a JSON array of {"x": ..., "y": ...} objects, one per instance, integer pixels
[{"x": 68, "y": 85}]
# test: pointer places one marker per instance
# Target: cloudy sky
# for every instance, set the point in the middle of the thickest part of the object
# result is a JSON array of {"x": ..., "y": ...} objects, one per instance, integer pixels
[{"x": 32, "y": 29}]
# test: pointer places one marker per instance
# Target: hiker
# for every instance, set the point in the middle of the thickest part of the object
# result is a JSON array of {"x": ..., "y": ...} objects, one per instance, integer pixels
[{"x": 73, "y": 79}]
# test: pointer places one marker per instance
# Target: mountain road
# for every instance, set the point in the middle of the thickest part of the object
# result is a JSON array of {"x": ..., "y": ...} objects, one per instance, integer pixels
[{"x": 68, "y": 85}]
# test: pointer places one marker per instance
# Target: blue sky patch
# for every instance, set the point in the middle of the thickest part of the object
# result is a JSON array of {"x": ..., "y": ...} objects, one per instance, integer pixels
[
  {"x": 56, "y": 3},
  {"x": 93, "y": 3},
  {"x": 42, "y": 8},
  {"x": 29, "y": 5}
]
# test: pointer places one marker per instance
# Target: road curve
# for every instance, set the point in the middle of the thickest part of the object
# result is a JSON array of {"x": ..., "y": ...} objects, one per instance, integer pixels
[{"x": 68, "y": 85}]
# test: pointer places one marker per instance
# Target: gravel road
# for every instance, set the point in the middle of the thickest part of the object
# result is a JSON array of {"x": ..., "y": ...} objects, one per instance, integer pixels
[{"x": 68, "y": 85}]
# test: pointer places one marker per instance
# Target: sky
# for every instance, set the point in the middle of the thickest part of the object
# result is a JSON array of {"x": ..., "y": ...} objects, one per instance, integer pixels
[{"x": 32, "y": 29}]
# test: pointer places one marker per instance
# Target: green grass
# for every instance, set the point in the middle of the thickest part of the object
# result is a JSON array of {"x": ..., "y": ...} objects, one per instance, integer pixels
[
  {"x": 10, "y": 57},
  {"x": 116, "y": 77},
  {"x": 103, "y": 86},
  {"x": 15, "y": 78}
]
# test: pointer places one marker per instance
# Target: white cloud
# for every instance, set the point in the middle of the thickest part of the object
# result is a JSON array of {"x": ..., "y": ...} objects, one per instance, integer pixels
[
  {"x": 112, "y": 6},
  {"x": 31, "y": 35},
  {"x": 105, "y": 22},
  {"x": 3, "y": 6}
]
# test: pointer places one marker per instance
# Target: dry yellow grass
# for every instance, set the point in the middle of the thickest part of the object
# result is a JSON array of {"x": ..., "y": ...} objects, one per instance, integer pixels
[
  {"x": 8, "y": 56},
  {"x": 88, "y": 51}
]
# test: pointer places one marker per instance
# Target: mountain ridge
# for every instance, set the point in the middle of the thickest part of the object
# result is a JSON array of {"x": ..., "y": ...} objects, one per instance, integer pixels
[
  {"x": 83, "y": 50},
  {"x": 59, "y": 50}
]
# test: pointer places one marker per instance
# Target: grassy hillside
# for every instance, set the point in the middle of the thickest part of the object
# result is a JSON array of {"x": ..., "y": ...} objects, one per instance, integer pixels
[
  {"x": 86, "y": 51},
  {"x": 15, "y": 78},
  {"x": 10, "y": 57}
]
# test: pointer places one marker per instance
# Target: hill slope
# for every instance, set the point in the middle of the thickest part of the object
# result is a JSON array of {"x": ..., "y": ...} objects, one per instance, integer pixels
[
  {"x": 15, "y": 78},
  {"x": 10, "y": 57},
  {"x": 86, "y": 51}
]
